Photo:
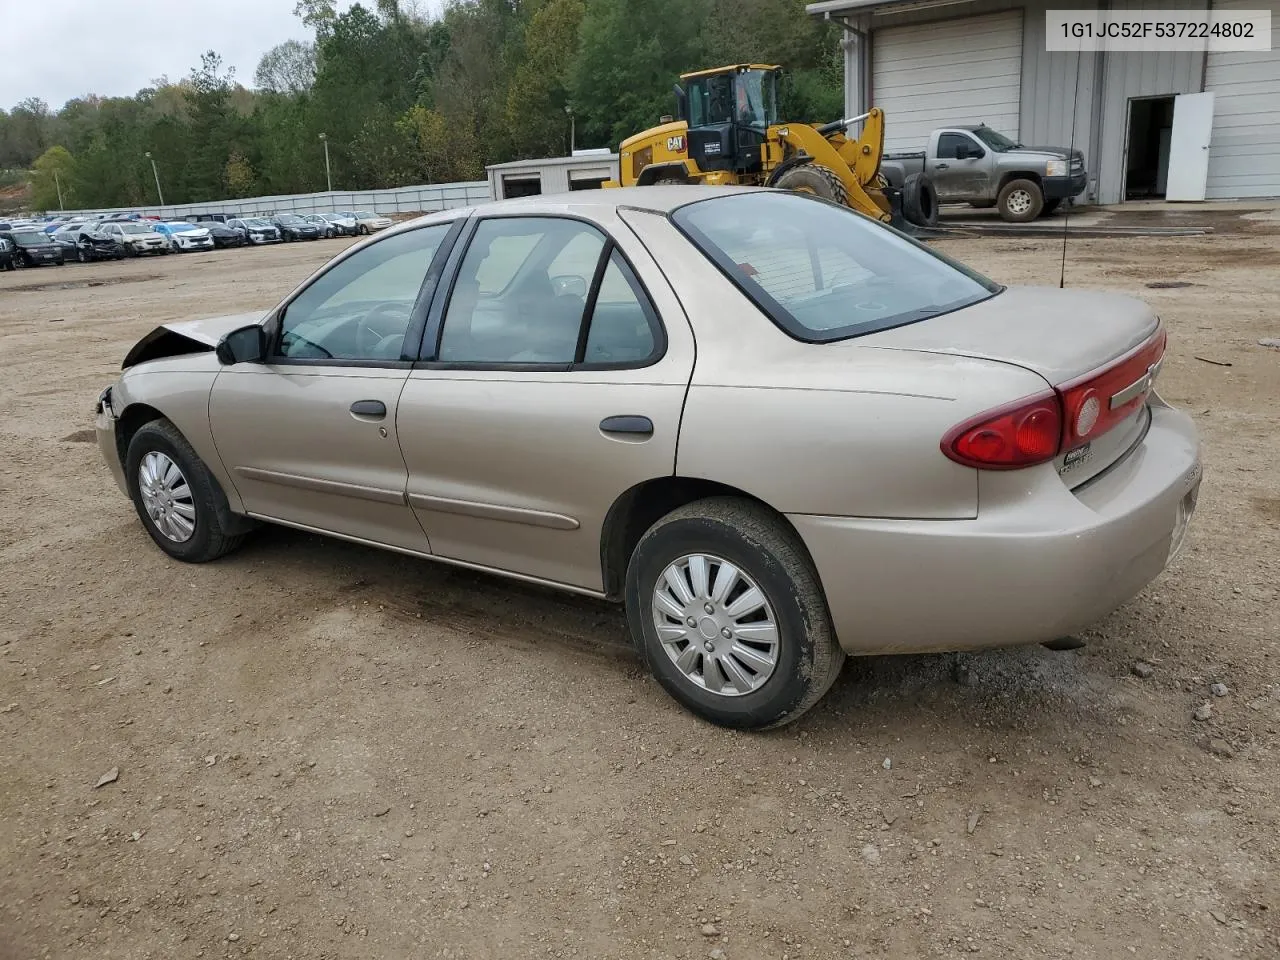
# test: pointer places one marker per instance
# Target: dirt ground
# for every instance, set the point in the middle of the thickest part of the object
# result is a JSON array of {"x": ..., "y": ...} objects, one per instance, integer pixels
[{"x": 326, "y": 751}]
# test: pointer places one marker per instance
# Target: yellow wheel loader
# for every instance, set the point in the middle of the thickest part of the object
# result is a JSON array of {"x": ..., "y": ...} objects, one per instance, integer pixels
[{"x": 728, "y": 132}]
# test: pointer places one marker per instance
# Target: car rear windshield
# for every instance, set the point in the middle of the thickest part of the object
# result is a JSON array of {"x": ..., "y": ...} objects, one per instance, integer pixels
[{"x": 823, "y": 272}]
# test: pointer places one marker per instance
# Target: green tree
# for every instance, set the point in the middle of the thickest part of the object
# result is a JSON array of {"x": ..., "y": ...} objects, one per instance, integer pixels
[
  {"x": 288, "y": 68},
  {"x": 52, "y": 179},
  {"x": 537, "y": 123},
  {"x": 629, "y": 56}
]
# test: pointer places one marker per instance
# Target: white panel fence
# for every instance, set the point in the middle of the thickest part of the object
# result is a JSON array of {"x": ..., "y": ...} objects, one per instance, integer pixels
[{"x": 421, "y": 199}]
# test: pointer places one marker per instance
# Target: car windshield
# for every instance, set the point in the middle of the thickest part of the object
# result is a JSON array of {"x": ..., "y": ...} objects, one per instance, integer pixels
[
  {"x": 182, "y": 226},
  {"x": 135, "y": 228},
  {"x": 823, "y": 272},
  {"x": 30, "y": 238},
  {"x": 289, "y": 218},
  {"x": 365, "y": 214},
  {"x": 258, "y": 223},
  {"x": 996, "y": 141}
]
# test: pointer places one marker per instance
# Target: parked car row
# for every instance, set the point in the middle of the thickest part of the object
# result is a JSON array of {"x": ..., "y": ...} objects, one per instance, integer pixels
[{"x": 30, "y": 243}]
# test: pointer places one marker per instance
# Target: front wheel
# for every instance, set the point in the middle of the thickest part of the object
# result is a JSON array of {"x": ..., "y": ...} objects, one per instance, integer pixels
[
  {"x": 177, "y": 498},
  {"x": 728, "y": 611},
  {"x": 814, "y": 179},
  {"x": 1020, "y": 201}
]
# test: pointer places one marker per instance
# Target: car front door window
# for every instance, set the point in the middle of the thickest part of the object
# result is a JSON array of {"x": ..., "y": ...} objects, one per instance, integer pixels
[{"x": 361, "y": 308}]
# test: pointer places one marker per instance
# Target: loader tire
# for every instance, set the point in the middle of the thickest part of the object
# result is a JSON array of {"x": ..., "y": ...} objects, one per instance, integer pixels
[
  {"x": 812, "y": 178},
  {"x": 670, "y": 180},
  {"x": 920, "y": 201}
]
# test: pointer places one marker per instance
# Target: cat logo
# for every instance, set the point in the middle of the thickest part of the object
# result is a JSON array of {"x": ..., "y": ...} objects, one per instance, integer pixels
[{"x": 676, "y": 144}]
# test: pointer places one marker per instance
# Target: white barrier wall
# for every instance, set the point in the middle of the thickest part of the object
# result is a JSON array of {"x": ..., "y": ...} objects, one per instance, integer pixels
[{"x": 423, "y": 199}]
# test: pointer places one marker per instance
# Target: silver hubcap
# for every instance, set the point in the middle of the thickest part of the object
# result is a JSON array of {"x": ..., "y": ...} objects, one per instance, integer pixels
[
  {"x": 716, "y": 625},
  {"x": 1019, "y": 201},
  {"x": 166, "y": 497}
]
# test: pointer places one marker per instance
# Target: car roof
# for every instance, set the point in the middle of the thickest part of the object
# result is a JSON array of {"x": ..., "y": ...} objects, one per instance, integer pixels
[{"x": 585, "y": 202}]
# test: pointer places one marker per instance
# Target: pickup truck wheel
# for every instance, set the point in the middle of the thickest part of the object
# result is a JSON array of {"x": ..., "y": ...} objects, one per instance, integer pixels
[
  {"x": 814, "y": 179},
  {"x": 1020, "y": 201}
]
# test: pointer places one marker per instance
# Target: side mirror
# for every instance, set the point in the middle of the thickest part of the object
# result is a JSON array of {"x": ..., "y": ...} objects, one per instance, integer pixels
[
  {"x": 682, "y": 103},
  {"x": 569, "y": 286},
  {"x": 246, "y": 345}
]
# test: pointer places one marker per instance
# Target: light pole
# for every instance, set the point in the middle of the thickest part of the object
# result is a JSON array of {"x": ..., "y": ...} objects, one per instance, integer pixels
[
  {"x": 328, "y": 177},
  {"x": 57, "y": 183},
  {"x": 156, "y": 174},
  {"x": 568, "y": 108}
]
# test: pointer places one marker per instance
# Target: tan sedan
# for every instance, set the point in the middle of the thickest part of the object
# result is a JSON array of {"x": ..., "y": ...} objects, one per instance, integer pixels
[{"x": 778, "y": 431}]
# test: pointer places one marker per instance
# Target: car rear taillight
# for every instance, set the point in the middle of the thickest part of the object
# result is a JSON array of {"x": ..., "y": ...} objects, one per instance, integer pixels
[
  {"x": 1021, "y": 434},
  {"x": 1099, "y": 400},
  {"x": 1036, "y": 429}
]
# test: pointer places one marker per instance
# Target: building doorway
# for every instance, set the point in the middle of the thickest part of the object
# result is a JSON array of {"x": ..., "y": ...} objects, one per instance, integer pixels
[
  {"x": 1147, "y": 150},
  {"x": 521, "y": 186}
]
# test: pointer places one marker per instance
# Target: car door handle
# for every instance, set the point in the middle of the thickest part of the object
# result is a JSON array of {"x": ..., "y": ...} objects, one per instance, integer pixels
[
  {"x": 369, "y": 409},
  {"x": 941, "y": 166},
  {"x": 634, "y": 425}
]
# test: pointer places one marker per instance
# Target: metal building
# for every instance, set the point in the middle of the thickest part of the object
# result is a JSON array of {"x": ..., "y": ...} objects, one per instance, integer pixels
[
  {"x": 585, "y": 170},
  {"x": 930, "y": 63}
]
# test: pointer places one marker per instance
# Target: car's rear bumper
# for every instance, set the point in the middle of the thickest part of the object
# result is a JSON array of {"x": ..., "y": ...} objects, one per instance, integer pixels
[{"x": 1030, "y": 569}]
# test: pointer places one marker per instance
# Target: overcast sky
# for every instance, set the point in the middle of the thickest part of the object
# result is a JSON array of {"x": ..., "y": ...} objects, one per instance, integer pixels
[{"x": 60, "y": 49}]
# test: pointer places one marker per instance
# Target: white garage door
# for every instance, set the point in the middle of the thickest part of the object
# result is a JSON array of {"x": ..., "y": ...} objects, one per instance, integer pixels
[
  {"x": 1244, "y": 151},
  {"x": 938, "y": 74}
]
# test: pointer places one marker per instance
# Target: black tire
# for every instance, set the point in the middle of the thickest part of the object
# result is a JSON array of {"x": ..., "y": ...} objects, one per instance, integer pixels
[
  {"x": 815, "y": 179},
  {"x": 920, "y": 200},
  {"x": 18, "y": 262},
  {"x": 1026, "y": 199},
  {"x": 364, "y": 231},
  {"x": 762, "y": 546},
  {"x": 81, "y": 255},
  {"x": 217, "y": 530},
  {"x": 1050, "y": 206}
]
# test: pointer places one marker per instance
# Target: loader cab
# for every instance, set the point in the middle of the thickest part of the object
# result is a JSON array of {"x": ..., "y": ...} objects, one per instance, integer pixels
[{"x": 729, "y": 111}]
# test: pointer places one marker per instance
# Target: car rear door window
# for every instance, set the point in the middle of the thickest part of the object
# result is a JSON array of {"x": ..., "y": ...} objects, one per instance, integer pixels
[
  {"x": 361, "y": 308},
  {"x": 506, "y": 307},
  {"x": 546, "y": 292},
  {"x": 623, "y": 325}
]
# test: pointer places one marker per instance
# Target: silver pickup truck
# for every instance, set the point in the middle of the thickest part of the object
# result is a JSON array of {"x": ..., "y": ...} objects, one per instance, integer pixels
[{"x": 983, "y": 168}]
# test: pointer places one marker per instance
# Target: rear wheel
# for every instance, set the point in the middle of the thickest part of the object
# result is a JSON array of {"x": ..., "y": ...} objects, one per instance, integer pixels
[
  {"x": 1020, "y": 201},
  {"x": 727, "y": 610},
  {"x": 177, "y": 498},
  {"x": 815, "y": 179}
]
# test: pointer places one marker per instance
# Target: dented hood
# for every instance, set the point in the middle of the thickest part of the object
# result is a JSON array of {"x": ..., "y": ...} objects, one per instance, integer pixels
[{"x": 187, "y": 336}]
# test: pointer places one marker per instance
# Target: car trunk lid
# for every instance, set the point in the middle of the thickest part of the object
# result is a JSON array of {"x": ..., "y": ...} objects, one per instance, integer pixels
[{"x": 1099, "y": 352}]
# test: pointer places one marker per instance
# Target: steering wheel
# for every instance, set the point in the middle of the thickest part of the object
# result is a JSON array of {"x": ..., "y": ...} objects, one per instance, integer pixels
[{"x": 385, "y": 320}]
